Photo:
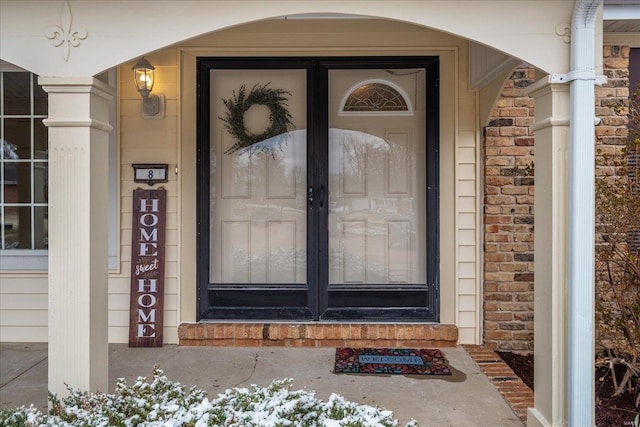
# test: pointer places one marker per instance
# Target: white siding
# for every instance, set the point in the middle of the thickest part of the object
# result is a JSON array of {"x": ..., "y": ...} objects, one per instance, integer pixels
[{"x": 23, "y": 307}]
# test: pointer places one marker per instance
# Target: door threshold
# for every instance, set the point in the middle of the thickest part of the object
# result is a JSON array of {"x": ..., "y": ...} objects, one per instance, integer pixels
[{"x": 317, "y": 334}]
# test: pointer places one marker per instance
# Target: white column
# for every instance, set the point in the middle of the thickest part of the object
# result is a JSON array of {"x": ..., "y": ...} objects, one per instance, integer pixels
[
  {"x": 551, "y": 244},
  {"x": 78, "y": 194}
]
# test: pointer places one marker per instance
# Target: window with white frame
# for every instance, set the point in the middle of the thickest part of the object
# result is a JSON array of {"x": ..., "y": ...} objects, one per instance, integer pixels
[
  {"x": 24, "y": 169},
  {"x": 23, "y": 163}
]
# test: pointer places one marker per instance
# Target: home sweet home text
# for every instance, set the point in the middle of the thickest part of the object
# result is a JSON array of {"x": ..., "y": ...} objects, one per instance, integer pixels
[{"x": 147, "y": 267}]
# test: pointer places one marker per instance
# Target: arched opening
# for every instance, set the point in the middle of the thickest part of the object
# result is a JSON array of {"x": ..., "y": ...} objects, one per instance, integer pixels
[{"x": 301, "y": 40}]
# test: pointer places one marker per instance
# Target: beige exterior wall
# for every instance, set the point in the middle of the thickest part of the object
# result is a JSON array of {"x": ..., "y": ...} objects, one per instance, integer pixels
[
  {"x": 172, "y": 140},
  {"x": 146, "y": 141},
  {"x": 23, "y": 307}
]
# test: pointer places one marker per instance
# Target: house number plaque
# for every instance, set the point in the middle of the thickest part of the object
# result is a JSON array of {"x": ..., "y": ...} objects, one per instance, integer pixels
[
  {"x": 150, "y": 174},
  {"x": 147, "y": 267}
]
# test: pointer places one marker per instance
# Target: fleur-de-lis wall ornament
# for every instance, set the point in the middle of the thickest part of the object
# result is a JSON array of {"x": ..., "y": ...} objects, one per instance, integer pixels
[
  {"x": 564, "y": 31},
  {"x": 64, "y": 35}
]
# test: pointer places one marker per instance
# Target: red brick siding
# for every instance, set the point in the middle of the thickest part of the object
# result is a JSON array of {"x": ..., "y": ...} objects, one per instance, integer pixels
[
  {"x": 316, "y": 334},
  {"x": 612, "y": 107},
  {"x": 509, "y": 190},
  {"x": 508, "y": 218}
]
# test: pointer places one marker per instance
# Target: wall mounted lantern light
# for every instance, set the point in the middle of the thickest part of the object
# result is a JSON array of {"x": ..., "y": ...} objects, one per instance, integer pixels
[{"x": 144, "y": 75}]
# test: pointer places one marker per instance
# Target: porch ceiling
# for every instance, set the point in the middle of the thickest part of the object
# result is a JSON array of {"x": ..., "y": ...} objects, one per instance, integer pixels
[
  {"x": 621, "y": 26},
  {"x": 621, "y": 16}
]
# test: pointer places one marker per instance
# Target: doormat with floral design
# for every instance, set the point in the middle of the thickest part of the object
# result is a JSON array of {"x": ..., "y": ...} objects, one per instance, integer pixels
[{"x": 407, "y": 361}]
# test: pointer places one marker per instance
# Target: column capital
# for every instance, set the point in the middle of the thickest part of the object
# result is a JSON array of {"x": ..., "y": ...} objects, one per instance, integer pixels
[
  {"x": 77, "y": 102},
  {"x": 552, "y": 104},
  {"x": 544, "y": 86},
  {"x": 83, "y": 84}
]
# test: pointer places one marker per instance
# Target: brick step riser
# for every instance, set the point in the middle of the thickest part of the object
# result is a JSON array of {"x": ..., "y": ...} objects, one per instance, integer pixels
[{"x": 317, "y": 335}]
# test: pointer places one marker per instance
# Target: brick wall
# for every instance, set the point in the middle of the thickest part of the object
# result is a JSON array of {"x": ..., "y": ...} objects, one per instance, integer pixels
[
  {"x": 508, "y": 218},
  {"x": 509, "y": 190},
  {"x": 612, "y": 107}
]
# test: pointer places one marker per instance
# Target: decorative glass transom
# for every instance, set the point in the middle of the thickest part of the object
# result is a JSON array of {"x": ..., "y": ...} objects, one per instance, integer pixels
[{"x": 376, "y": 97}]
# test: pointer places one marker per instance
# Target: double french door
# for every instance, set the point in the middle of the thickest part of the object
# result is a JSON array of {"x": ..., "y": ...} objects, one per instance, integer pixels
[{"x": 317, "y": 189}]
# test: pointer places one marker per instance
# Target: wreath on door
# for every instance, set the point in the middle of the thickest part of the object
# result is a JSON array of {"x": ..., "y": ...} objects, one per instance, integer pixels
[{"x": 279, "y": 117}]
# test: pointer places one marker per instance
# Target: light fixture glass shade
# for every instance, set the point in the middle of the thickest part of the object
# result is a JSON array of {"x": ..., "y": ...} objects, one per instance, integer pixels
[{"x": 143, "y": 76}]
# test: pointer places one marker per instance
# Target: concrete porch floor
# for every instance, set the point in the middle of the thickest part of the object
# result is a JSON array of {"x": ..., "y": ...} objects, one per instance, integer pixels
[{"x": 467, "y": 398}]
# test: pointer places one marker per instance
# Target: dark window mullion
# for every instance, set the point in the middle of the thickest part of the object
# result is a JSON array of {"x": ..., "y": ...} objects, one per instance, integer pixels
[
  {"x": 432, "y": 128},
  {"x": 2, "y": 216},
  {"x": 321, "y": 180},
  {"x": 202, "y": 186},
  {"x": 32, "y": 155}
]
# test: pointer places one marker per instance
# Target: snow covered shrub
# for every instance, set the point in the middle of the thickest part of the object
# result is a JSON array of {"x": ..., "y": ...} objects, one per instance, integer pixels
[
  {"x": 161, "y": 402},
  {"x": 20, "y": 417}
]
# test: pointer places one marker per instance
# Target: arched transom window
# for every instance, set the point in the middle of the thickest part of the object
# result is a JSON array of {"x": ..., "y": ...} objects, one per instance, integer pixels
[{"x": 376, "y": 97}]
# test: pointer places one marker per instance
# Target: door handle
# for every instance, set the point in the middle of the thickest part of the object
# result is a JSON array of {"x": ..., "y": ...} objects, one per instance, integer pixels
[
  {"x": 311, "y": 196},
  {"x": 321, "y": 196}
]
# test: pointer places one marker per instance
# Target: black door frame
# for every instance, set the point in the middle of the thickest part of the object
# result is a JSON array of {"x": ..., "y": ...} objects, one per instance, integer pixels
[{"x": 317, "y": 299}]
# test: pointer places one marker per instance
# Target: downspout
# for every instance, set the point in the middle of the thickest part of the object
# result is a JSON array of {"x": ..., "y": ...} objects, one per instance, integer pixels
[{"x": 581, "y": 286}]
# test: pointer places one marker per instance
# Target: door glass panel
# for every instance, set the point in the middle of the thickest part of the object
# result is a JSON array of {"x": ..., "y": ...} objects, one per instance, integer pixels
[
  {"x": 377, "y": 177},
  {"x": 258, "y": 176}
]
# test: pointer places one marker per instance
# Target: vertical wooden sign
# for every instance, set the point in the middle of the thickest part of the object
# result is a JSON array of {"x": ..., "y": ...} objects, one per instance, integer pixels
[{"x": 147, "y": 267}]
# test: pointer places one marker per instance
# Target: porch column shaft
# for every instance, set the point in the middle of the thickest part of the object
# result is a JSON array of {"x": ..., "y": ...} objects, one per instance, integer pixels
[
  {"x": 551, "y": 244},
  {"x": 78, "y": 194}
]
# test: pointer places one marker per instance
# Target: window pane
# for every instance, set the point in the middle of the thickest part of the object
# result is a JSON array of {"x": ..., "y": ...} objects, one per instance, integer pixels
[
  {"x": 40, "y": 105},
  {"x": 17, "y": 227},
  {"x": 41, "y": 227},
  {"x": 10, "y": 183},
  {"x": 377, "y": 175},
  {"x": 9, "y": 150},
  {"x": 17, "y": 182},
  {"x": 23, "y": 163},
  {"x": 17, "y": 134},
  {"x": 258, "y": 191},
  {"x": 41, "y": 180},
  {"x": 17, "y": 93},
  {"x": 40, "y": 140}
]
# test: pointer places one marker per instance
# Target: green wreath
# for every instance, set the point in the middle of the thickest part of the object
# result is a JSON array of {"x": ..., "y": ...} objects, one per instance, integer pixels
[{"x": 237, "y": 106}]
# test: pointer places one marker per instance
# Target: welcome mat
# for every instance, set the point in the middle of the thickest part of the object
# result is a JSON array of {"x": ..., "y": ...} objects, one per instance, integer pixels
[{"x": 405, "y": 361}]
